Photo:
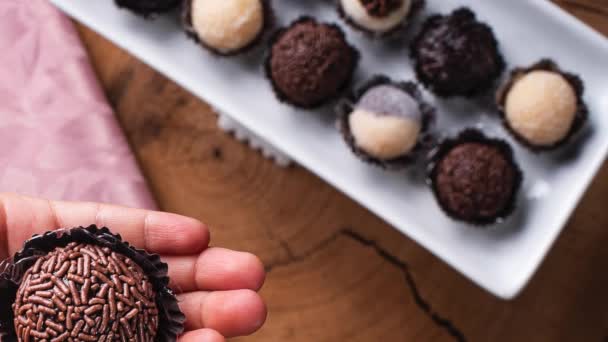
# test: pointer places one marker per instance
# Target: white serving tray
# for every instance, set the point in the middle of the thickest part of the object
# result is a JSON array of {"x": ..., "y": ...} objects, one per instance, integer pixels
[{"x": 501, "y": 259}]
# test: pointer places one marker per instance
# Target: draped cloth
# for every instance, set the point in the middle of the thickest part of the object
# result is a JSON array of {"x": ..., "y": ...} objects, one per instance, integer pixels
[{"x": 59, "y": 138}]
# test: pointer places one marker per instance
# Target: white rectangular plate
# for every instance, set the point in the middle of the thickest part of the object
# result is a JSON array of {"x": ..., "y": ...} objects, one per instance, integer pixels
[{"x": 501, "y": 259}]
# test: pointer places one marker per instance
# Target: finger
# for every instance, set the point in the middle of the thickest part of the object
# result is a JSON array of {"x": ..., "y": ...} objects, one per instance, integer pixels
[
  {"x": 202, "y": 335},
  {"x": 215, "y": 269},
  {"x": 231, "y": 313},
  {"x": 156, "y": 232}
]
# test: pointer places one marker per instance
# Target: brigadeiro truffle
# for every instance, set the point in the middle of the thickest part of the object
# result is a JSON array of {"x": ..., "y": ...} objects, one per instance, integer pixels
[
  {"x": 475, "y": 179},
  {"x": 379, "y": 17},
  {"x": 310, "y": 63},
  {"x": 86, "y": 284},
  {"x": 148, "y": 7},
  {"x": 542, "y": 105},
  {"x": 456, "y": 55},
  {"x": 385, "y": 122},
  {"x": 227, "y": 27}
]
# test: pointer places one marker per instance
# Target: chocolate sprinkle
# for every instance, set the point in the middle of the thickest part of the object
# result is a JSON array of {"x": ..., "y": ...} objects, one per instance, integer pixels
[{"x": 44, "y": 309}]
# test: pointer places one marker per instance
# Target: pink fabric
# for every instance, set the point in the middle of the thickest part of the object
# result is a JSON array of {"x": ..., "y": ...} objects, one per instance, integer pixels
[{"x": 59, "y": 138}]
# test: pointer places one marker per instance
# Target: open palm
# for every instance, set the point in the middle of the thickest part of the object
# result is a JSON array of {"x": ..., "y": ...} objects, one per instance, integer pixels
[{"x": 216, "y": 287}]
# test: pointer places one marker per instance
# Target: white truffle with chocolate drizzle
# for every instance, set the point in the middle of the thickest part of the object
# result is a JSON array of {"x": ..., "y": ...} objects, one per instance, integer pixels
[
  {"x": 376, "y": 16},
  {"x": 227, "y": 26},
  {"x": 385, "y": 123},
  {"x": 541, "y": 107}
]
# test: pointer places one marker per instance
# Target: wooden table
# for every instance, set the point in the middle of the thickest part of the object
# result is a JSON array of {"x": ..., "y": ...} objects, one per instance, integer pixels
[{"x": 335, "y": 271}]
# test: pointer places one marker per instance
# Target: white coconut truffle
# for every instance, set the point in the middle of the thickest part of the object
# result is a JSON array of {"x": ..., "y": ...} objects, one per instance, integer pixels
[
  {"x": 386, "y": 123},
  {"x": 227, "y": 25},
  {"x": 356, "y": 11},
  {"x": 541, "y": 107}
]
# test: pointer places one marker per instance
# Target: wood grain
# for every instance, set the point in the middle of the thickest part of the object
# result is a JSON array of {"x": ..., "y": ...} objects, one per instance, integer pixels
[{"x": 335, "y": 271}]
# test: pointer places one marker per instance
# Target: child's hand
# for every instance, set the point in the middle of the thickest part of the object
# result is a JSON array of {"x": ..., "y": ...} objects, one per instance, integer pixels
[{"x": 216, "y": 287}]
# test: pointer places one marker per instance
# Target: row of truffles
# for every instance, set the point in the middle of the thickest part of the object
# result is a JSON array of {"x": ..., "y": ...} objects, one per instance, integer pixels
[
  {"x": 378, "y": 17},
  {"x": 475, "y": 179},
  {"x": 541, "y": 106},
  {"x": 86, "y": 284},
  {"x": 387, "y": 123},
  {"x": 311, "y": 63}
]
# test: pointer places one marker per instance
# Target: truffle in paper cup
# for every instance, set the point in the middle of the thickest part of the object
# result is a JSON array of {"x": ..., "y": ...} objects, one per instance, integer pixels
[
  {"x": 86, "y": 284},
  {"x": 457, "y": 55},
  {"x": 228, "y": 27},
  {"x": 381, "y": 19},
  {"x": 310, "y": 63},
  {"x": 475, "y": 179},
  {"x": 542, "y": 105},
  {"x": 386, "y": 123}
]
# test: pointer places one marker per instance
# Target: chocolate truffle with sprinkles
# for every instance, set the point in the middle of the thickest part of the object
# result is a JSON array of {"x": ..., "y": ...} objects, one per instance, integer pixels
[
  {"x": 148, "y": 7},
  {"x": 542, "y": 106},
  {"x": 227, "y": 27},
  {"x": 475, "y": 179},
  {"x": 310, "y": 63},
  {"x": 86, "y": 284},
  {"x": 456, "y": 55},
  {"x": 379, "y": 17},
  {"x": 385, "y": 122}
]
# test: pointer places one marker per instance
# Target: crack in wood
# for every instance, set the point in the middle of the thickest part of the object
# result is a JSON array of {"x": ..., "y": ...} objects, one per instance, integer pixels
[{"x": 423, "y": 304}]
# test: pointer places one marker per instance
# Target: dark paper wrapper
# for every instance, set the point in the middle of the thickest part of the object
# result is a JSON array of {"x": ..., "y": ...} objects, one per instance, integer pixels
[
  {"x": 426, "y": 140},
  {"x": 276, "y": 89},
  {"x": 582, "y": 112},
  {"x": 148, "y": 8},
  {"x": 171, "y": 319},
  {"x": 394, "y": 34},
  {"x": 461, "y": 17},
  {"x": 269, "y": 22},
  {"x": 472, "y": 135}
]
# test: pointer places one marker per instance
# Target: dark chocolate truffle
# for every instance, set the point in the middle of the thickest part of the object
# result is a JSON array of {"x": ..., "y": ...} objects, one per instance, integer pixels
[
  {"x": 86, "y": 284},
  {"x": 379, "y": 17},
  {"x": 148, "y": 7},
  {"x": 385, "y": 122},
  {"x": 457, "y": 55},
  {"x": 542, "y": 105},
  {"x": 475, "y": 179},
  {"x": 310, "y": 63}
]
